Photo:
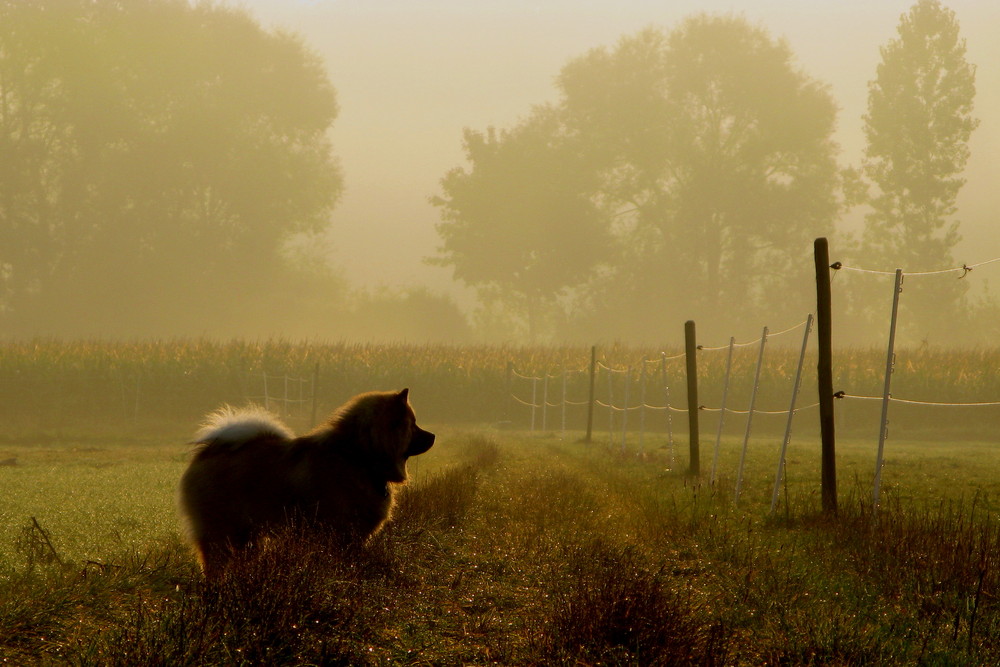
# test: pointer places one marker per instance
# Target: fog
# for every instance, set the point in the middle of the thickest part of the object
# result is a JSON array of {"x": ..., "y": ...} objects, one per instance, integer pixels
[{"x": 409, "y": 77}]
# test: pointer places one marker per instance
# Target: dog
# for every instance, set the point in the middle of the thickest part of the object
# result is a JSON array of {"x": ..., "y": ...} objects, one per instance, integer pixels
[{"x": 250, "y": 475}]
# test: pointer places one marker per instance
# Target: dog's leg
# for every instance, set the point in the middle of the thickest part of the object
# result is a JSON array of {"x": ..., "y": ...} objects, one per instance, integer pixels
[{"x": 213, "y": 558}]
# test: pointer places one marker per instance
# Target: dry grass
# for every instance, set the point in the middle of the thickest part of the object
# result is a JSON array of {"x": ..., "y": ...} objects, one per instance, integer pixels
[{"x": 526, "y": 551}]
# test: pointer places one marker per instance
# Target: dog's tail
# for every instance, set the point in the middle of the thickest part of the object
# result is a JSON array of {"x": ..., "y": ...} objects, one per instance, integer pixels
[{"x": 229, "y": 427}]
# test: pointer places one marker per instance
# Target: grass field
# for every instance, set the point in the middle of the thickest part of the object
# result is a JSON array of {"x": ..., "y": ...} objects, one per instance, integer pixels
[{"x": 518, "y": 548}]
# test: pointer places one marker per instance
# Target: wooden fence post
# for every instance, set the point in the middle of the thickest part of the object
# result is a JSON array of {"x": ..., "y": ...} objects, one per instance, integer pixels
[
  {"x": 824, "y": 374},
  {"x": 690, "y": 353}
]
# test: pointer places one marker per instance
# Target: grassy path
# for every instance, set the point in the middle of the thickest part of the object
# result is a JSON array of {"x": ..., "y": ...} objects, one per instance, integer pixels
[{"x": 516, "y": 549}]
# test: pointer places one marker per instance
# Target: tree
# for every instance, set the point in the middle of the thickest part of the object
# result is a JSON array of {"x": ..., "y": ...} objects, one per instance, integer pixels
[
  {"x": 157, "y": 156},
  {"x": 518, "y": 224},
  {"x": 699, "y": 162},
  {"x": 917, "y": 127},
  {"x": 719, "y": 165}
]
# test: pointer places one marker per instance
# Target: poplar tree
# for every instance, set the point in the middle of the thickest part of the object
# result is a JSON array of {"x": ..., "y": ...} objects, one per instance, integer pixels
[{"x": 917, "y": 126}]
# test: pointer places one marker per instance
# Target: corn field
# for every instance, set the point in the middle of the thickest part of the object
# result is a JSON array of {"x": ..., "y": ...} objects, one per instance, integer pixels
[{"x": 105, "y": 387}]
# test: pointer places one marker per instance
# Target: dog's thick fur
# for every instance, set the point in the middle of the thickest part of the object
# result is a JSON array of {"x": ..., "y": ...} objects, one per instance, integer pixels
[{"x": 251, "y": 475}]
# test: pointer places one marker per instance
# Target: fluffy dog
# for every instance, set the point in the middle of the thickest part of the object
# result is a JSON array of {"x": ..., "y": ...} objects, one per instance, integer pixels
[{"x": 251, "y": 475}]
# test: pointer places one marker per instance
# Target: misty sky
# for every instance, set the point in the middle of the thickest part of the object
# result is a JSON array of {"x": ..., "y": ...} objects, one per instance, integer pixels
[{"x": 410, "y": 74}]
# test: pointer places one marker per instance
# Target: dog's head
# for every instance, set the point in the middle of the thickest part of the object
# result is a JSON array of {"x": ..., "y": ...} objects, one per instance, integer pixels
[{"x": 383, "y": 428}]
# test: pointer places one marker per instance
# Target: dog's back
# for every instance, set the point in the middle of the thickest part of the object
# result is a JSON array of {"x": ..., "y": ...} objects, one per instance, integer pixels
[{"x": 239, "y": 480}]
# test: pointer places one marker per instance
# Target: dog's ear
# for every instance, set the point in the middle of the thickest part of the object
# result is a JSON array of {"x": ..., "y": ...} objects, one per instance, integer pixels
[{"x": 402, "y": 395}]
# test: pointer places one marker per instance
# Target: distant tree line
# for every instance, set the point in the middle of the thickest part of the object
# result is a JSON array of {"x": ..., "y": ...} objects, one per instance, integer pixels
[
  {"x": 683, "y": 175},
  {"x": 165, "y": 169}
]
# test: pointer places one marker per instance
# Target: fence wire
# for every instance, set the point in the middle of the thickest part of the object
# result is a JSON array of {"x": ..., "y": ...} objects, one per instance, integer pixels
[
  {"x": 964, "y": 269},
  {"x": 936, "y": 404},
  {"x": 756, "y": 341}
]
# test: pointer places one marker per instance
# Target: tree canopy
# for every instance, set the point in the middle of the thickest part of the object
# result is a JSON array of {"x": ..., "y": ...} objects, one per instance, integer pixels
[
  {"x": 704, "y": 161},
  {"x": 156, "y": 157},
  {"x": 918, "y": 124},
  {"x": 519, "y": 224}
]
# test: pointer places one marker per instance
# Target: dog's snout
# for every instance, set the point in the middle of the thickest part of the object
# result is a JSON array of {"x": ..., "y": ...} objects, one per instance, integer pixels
[{"x": 421, "y": 442}]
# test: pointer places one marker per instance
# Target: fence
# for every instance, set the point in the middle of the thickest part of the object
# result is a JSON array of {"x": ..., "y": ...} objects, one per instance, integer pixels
[
  {"x": 288, "y": 396},
  {"x": 645, "y": 389},
  {"x": 631, "y": 393},
  {"x": 890, "y": 360},
  {"x": 615, "y": 390}
]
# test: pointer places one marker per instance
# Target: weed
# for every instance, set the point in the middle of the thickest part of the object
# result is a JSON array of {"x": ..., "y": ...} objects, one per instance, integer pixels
[{"x": 612, "y": 606}]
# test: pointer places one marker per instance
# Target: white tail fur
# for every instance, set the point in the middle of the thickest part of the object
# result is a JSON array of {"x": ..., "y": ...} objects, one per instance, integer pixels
[{"x": 229, "y": 424}]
